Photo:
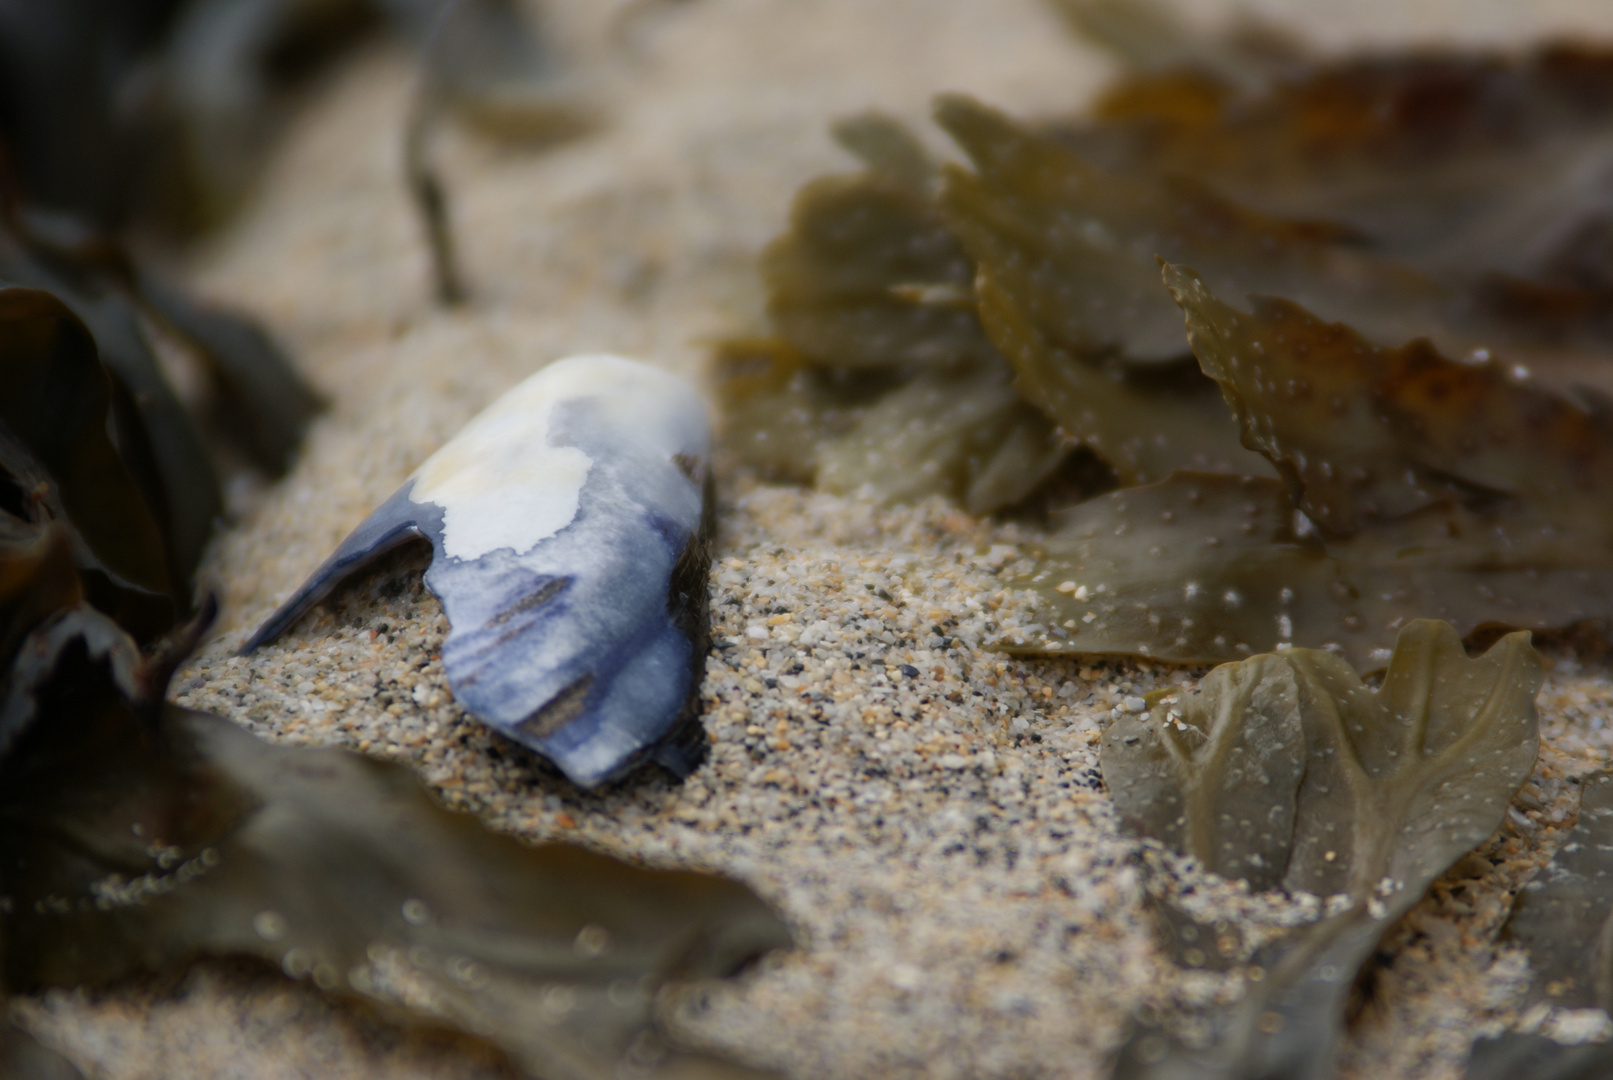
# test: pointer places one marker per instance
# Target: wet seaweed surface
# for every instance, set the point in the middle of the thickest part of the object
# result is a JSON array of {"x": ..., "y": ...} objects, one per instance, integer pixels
[
  {"x": 1316, "y": 337},
  {"x": 1285, "y": 770},
  {"x": 1429, "y": 472}
]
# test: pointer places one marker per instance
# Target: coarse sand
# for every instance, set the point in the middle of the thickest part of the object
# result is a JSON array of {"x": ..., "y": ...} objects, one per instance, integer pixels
[{"x": 926, "y": 814}]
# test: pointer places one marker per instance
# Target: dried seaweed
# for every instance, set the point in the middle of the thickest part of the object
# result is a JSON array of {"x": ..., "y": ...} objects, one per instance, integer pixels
[{"x": 1285, "y": 769}]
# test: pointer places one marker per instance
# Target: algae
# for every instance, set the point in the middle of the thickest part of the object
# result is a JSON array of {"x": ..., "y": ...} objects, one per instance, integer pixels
[{"x": 1288, "y": 771}]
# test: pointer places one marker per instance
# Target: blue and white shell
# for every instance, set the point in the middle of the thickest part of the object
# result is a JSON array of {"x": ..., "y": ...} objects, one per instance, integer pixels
[{"x": 570, "y": 526}]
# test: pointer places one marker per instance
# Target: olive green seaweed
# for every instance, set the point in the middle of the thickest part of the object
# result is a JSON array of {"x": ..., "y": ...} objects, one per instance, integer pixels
[
  {"x": 1415, "y": 486},
  {"x": 881, "y": 377},
  {"x": 140, "y": 836},
  {"x": 1077, "y": 246},
  {"x": 1286, "y": 770},
  {"x": 1364, "y": 433},
  {"x": 1563, "y": 920},
  {"x": 1144, "y": 423}
]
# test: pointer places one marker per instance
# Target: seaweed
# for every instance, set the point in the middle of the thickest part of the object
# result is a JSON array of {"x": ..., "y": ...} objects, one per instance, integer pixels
[
  {"x": 1202, "y": 568},
  {"x": 1143, "y": 422},
  {"x": 58, "y": 458},
  {"x": 1286, "y": 770},
  {"x": 1076, "y": 246},
  {"x": 1458, "y": 162},
  {"x": 1563, "y": 920},
  {"x": 1366, "y": 434},
  {"x": 1416, "y": 486},
  {"x": 967, "y": 434},
  {"x": 1482, "y": 169},
  {"x": 23, "y": 1058},
  {"x": 251, "y": 396},
  {"x": 880, "y": 375},
  {"x": 868, "y": 276},
  {"x": 142, "y": 836}
]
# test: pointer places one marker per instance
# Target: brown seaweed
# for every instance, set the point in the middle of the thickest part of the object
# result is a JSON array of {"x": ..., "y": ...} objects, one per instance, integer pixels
[
  {"x": 1486, "y": 170},
  {"x": 1285, "y": 769},
  {"x": 1417, "y": 487},
  {"x": 250, "y": 396},
  {"x": 1077, "y": 246},
  {"x": 57, "y": 457},
  {"x": 1455, "y": 162},
  {"x": 1365, "y": 434}
]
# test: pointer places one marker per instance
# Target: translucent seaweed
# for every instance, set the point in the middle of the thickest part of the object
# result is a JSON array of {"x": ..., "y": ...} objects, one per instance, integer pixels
[
  {"x": 881, "y": 376},
  {"x": 1285, "y": 769},
  {"x": 1144, "y": 423}
]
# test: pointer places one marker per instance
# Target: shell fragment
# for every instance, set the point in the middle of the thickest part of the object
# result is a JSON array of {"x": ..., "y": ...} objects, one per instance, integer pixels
[{"x": 570, "y": 526}]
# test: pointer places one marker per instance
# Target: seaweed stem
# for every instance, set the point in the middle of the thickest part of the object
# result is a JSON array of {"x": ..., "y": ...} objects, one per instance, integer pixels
[{"x": 425, "y": 185}]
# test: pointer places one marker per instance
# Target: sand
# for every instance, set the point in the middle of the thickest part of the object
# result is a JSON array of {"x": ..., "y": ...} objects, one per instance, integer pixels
[{"x": 926, "y": 814}]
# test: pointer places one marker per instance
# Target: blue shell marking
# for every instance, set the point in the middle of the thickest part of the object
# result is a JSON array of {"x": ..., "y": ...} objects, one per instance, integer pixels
[{"x": 570, "y": 527}]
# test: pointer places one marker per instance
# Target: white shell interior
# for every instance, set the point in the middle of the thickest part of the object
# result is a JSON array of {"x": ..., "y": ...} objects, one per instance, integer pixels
[{"x": 500, "y": 482}]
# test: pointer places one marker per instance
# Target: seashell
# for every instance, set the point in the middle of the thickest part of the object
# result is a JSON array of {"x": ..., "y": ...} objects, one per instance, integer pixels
[{"x": 570, "y": 529}]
